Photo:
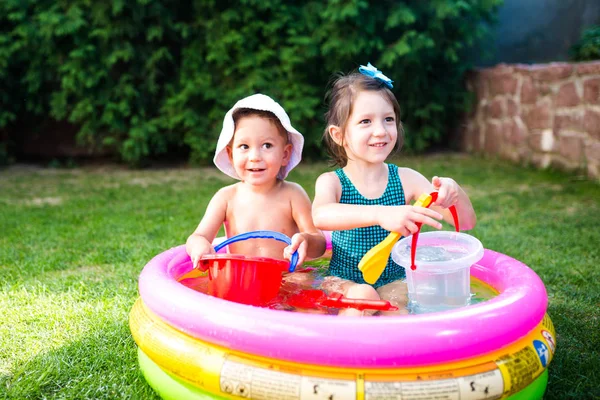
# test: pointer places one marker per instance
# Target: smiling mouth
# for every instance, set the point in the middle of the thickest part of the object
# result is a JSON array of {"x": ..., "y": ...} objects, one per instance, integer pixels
[
  {"x": 256, "y": 169},
  {"x": 378, "y": 144}
]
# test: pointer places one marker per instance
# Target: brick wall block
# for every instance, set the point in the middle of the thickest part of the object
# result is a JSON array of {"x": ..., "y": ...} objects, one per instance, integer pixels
[
  {"x": 591, "y": 123},
  {"x": 538, "y": 117},
  {"x": 547, "y": 140},
  {"x": 507, "y": 126},
  {"x": 522, "y": 69},
  {"x": 493, "y": 137},
  {"x": 551, "y": 72},
  {"x": 570, "y": 146},
  {"x": 477, "y": 83},
  {"x": 544, "y": 88},
  {"x": 572, "y": 121},
  {"x": 470, "y": 139},
  {"x": 502, "y": 85},
  {"x": 495, "y": 108},
  {"x": 542, "y": 141},
  {"x": 592, "y": 157},
  {"x": 588, "y": 68},
  {"x": 591, "y": 91},
  {"x": 517, "y": 132},
  {"x": 512, "y": 108},
  {"x": 478, "y": 136},
  {"x": 528, "y": 91},
  {"x": 567, "y": 96},
  {"x": 482, "y": 108},
  {"x": 535, "y": 141},
  {"x": 497, "y": 71}
]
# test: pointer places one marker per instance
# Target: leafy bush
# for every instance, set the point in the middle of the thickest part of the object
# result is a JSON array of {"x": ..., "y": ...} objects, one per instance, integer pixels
[
  {"x": 588, "y": 47},
  {"x": 150, "y": 76}
]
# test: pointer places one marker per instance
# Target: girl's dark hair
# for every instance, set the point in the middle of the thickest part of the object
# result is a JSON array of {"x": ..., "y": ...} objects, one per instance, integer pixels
[
  {"x": 341, "y": 99},
  {"x": 240, "y": 113}
]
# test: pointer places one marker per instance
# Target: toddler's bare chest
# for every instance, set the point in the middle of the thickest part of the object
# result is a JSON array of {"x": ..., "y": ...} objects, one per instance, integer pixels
[{"x": 264, "y": 214}]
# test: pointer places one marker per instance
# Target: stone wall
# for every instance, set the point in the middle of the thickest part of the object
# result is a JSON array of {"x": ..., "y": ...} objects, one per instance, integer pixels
[{"x": 545, "y": 115}]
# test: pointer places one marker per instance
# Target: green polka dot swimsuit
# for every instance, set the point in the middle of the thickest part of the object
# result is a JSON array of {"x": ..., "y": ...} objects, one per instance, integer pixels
[{"x": 349, "y": 246}]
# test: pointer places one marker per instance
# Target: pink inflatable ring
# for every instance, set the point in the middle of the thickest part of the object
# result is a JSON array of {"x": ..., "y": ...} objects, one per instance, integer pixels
[{"x": 407, "y": 341}]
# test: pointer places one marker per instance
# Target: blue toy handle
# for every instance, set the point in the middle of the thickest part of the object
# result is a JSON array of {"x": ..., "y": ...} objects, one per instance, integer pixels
[{"x": 262, "y": 235}]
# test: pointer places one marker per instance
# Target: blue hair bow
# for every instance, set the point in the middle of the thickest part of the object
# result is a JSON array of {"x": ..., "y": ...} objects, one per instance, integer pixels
[{"x": 373, "y": 72}]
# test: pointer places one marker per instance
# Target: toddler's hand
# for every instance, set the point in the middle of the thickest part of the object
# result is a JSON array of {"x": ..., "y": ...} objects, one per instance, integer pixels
[
  {"x": 447, "y": 191},
  {"x": 299, "y": 243},
  {"x": 404, "y": 219},
  {"x": 198, "y": 252}
]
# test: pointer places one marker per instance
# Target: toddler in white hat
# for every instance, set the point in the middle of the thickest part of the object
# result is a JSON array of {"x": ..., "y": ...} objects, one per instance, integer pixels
[{"x": 259, "y": 146}]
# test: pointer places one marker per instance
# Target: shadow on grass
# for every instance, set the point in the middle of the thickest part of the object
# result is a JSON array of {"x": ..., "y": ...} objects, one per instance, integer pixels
[{"x": 101, "y": 365}]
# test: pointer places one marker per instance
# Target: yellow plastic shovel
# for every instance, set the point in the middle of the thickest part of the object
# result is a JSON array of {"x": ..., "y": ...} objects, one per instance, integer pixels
[{"x": 374, "y": 261}]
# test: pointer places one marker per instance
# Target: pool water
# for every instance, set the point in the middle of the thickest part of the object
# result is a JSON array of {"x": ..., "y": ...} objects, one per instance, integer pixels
[
  {"x": 301, "y": 290},
  {"x": 437, "y": 253}
]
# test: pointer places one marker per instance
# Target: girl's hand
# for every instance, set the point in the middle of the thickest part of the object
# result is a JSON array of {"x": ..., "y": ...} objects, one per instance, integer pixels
[
  {"x": 300, "y": 244},
  {"x": 448, "y": 191},
  {"x": 404, "y": 219}
]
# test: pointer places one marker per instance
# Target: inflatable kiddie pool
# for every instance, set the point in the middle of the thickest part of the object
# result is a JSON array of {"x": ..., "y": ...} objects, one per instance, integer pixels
[{"x": 195, "y": 346}]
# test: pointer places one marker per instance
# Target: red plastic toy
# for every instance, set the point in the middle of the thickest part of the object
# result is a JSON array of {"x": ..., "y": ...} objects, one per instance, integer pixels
[
  {"x": 318, "y": 298},
  {"x": 246, "y": 280}
]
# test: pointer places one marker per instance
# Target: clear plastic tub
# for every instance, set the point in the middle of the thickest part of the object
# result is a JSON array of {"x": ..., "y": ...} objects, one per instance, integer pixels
[{"x": 442, "y": 279}]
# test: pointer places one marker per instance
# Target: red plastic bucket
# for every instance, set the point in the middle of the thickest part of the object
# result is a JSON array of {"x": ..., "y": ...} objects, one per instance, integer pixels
[{"x": 247, "y": 280}]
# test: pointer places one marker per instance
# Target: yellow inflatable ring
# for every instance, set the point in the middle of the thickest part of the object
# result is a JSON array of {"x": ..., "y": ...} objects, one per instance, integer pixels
[{"x": 214, "y": 369}]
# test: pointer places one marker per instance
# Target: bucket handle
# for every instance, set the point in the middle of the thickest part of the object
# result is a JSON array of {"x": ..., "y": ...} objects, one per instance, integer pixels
[
  {"x": 415, "y": 236},
  {"x": 262, "y": 235}
]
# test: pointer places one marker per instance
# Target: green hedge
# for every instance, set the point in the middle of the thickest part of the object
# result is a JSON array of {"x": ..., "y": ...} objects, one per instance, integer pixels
[
  {"x": 151, "y": 76},
  {"x": 587, "y": 47}
]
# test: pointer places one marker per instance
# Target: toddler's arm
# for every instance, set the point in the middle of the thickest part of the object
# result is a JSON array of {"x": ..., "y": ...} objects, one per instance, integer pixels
[
  {"x": 199, "y": 243},
  {"x": 329, "y": 214},
  {"x": 309, "y": 242}
]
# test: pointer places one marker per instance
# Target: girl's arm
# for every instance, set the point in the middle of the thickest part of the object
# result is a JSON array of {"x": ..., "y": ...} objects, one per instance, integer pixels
[
  {"x": 449, "y": 193},
  {"x": 329, "y": 214},
  {"x": 199, "y": 243}
]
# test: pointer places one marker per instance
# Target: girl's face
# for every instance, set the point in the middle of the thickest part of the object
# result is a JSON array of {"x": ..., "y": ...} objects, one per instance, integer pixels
[
  {"x": 371, "y": 131},
  {"x": 258, "y": 150}
]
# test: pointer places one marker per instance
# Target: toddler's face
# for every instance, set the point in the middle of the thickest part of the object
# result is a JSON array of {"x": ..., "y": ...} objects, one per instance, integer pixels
[
  {"x": 258, "y": 150},
  {"x": 371, "y": 131}
]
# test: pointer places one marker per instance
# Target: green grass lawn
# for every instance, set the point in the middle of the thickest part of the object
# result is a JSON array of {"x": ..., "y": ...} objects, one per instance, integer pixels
[{"x": 73, "y": 243}]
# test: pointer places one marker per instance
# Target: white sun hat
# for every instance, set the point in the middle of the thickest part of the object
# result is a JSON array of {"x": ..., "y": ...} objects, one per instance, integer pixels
[{"x": 264, "y": 103}]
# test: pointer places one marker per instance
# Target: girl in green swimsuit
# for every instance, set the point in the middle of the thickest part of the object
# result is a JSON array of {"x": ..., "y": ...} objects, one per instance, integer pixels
[{"x": 366, "y": 198}]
